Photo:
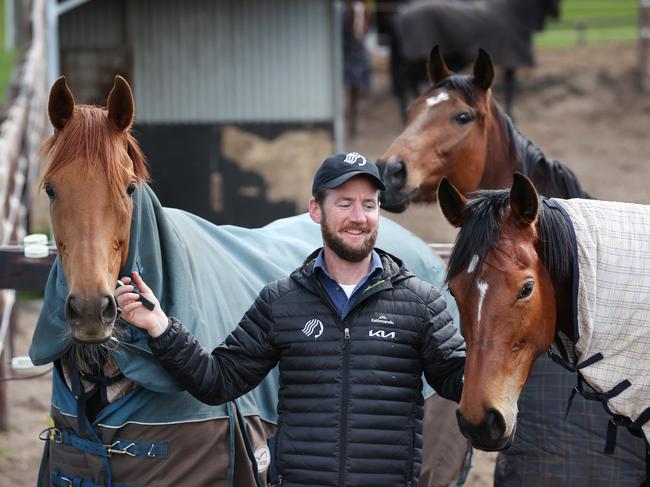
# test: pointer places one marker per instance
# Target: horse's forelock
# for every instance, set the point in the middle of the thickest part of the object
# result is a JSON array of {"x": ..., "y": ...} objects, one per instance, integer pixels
[
  {"x": 89, "y": 138},
  {"x": 461, "y": 83},
  {"x": 482, "y": 218}
]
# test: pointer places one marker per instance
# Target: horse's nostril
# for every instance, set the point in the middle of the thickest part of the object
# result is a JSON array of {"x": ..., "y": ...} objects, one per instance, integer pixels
[
  {"x": 109, "y": 309},
  {"x": 72, "y": 313},
  {"x": 395, "y": 174},
  {"x": 495, "y": 423}
]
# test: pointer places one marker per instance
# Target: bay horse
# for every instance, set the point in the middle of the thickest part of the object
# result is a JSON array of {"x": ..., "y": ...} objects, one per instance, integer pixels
[
  {"x": 527, "y": 273},
  {"x": 117, "y": 418},
  {"x": 457, "y": 130}
]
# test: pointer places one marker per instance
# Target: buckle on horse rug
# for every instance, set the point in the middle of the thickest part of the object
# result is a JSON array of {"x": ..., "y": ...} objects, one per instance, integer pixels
[
  {"x": 51, "y": 433},
  {"x": 110, "y": 449}
]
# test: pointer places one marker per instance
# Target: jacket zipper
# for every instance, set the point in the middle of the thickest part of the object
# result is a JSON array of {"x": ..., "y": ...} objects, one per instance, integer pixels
[
  {"x": 346, "y": 369},
  {"x": 344, "y": 406}
]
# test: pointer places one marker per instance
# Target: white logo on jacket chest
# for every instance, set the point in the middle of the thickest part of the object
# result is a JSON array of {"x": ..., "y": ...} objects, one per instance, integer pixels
[
  {"x": 312, "y": 326},
  {"x": 382, "y": 319},
  {"x": 381, "y": 334}
]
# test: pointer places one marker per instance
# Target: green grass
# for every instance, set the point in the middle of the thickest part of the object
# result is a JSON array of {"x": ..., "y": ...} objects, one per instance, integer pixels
[
  {"x": 603, "y": 22},
  {"x": 6, "y": 58}
]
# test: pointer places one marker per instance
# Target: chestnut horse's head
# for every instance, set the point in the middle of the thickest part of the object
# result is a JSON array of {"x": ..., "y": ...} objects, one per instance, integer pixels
[
  {"x": 504, "y": 278},
  {"x": 446, "y": 135},
  {"x": 94, "y": 165}
]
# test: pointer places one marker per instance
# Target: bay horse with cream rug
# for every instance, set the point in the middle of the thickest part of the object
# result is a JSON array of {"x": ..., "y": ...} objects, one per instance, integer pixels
[
  {"x": 526, "y": 273},
  {"x": 117, "y": 418},
  {"x": 458, "y": 131}
]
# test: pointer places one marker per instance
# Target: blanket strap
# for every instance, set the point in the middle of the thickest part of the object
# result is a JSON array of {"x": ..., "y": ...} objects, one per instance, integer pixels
[
  {"x": 140, "y": 449},
  {"x": 558, "y": 359},
  {"x": 579, "y": 387},
  {"x": 63, "y": 479},
  {"x": 592, "y": 395}
]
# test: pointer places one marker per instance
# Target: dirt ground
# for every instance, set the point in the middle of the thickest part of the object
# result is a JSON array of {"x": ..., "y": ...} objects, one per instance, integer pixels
[{"x": 581, "y": 106}]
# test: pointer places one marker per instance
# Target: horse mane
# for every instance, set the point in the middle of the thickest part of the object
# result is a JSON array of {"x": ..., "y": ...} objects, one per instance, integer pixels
[
  {"x": 90, "y": 137},
  {"x": 551, "y": 178},
  {"x": 482, "y": 220}
]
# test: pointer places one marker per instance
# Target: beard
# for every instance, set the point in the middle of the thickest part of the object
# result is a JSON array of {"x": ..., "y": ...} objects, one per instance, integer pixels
[{"x": 343, "y": 250}]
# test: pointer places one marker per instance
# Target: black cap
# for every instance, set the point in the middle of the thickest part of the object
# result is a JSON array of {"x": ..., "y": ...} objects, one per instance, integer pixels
[{"x": 337, "y": 169}]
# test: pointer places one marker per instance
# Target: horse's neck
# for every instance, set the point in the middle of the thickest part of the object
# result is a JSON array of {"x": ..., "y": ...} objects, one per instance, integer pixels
[{"x": 501, "y": 158}]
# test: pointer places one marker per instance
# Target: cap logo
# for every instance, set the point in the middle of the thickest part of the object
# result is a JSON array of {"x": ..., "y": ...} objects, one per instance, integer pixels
[{"x": 353, "y": 157}]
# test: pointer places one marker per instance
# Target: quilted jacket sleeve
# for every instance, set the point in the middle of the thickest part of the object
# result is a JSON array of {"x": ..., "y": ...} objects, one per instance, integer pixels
[
  {"x": 230, "y": 370},
  {"x": 443, "y": 350}
]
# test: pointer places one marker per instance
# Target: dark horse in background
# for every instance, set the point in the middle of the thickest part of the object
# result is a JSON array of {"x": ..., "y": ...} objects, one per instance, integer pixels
[
  {"x": 504, "y": 28},
  {"x": 456, "y": 130}
]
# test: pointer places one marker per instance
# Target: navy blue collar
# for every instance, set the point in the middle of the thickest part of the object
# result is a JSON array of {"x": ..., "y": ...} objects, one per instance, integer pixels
[{"x": 338, "y": 297}]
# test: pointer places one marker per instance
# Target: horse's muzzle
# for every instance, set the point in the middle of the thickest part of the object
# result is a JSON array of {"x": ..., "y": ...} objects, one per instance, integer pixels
[
  {"x": 91, "y": 318},
  {"x": 489, "y": 435},
  {"x": 393, "y": 173}
]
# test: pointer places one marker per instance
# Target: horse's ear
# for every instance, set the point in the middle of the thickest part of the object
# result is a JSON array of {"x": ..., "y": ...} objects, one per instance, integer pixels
[
  {"x": 436, "y": 67},
  {"x": 121, "y": 108},
  {"x": 60, "y": 105},
  {"x": 483, "y": 70},
  {"x": 452, "y": 202},
  {"x": 524, "y": 200}
]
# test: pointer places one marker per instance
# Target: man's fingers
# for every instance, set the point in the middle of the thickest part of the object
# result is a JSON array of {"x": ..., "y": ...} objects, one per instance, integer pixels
[
  {"x": 125, "y": 297},
  {"x": 130, "y": 307},
  {"x": 124, "y": 290},
  {"x": 125, "y": 280},
  {"x": 140, "y": 283}
]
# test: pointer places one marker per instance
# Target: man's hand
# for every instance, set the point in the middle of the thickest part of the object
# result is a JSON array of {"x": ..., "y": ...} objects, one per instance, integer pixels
[{"x": 154, "y": 322}]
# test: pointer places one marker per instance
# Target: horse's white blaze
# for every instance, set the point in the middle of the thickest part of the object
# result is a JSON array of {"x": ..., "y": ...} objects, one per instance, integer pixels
[
  {"x": 440, "y": 97},
  {"x": 482, "y": 289},
  {"x": 472, "y": 264}
]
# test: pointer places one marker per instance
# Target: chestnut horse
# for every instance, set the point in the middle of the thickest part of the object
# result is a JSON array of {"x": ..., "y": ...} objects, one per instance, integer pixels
[
  {"x": 524, "y": 273},
  {"x": 117, "y": 418},
  {"x": 457, "y": 130}
]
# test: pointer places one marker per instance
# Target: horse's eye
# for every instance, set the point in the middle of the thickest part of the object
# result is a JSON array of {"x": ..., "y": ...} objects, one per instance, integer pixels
[
  {"x": 526, "y": 290},
  {"x": 130, "y": 190},
  {"x": 49, "y": 190},
  {"x": 463, "y": 118}
]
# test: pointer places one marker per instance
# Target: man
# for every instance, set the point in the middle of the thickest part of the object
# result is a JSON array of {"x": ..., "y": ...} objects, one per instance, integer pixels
[{"x": 352, "y": 332}]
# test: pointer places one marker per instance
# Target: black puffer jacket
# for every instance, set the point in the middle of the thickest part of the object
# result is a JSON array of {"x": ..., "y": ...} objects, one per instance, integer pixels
[{"x": 350, "y": 401}]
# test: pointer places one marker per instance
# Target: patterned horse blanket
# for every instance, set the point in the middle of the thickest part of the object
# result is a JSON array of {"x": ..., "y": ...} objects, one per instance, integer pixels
[{"x": 613, "y": 303}]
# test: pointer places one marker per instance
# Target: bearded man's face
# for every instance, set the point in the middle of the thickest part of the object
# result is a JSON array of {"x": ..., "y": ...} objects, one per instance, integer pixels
[{"x": 350, "y": 218}]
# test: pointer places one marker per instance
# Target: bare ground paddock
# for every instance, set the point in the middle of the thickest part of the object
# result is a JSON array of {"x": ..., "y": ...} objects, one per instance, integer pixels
[{"x": 580, "y": 106}]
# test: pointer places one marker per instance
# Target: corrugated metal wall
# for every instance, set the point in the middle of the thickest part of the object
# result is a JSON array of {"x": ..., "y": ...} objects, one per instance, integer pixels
[{"x": 217, "y": 60}]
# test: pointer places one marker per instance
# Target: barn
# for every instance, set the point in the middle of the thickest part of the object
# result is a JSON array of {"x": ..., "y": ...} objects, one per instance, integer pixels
[{"x": 237, "y": 101}]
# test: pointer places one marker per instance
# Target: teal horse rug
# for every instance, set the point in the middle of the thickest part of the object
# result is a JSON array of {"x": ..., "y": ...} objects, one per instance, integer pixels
[{"x": 207, "y": 276}]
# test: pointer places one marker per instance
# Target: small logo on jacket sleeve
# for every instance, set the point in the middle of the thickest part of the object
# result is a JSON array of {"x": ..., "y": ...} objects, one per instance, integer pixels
[{"x": 312, "y": 326}]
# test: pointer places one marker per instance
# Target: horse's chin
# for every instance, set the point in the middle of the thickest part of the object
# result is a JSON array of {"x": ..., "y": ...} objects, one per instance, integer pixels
[
  {"x": 490, "y": 445},
  {"x": 85, "y": 337}
]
